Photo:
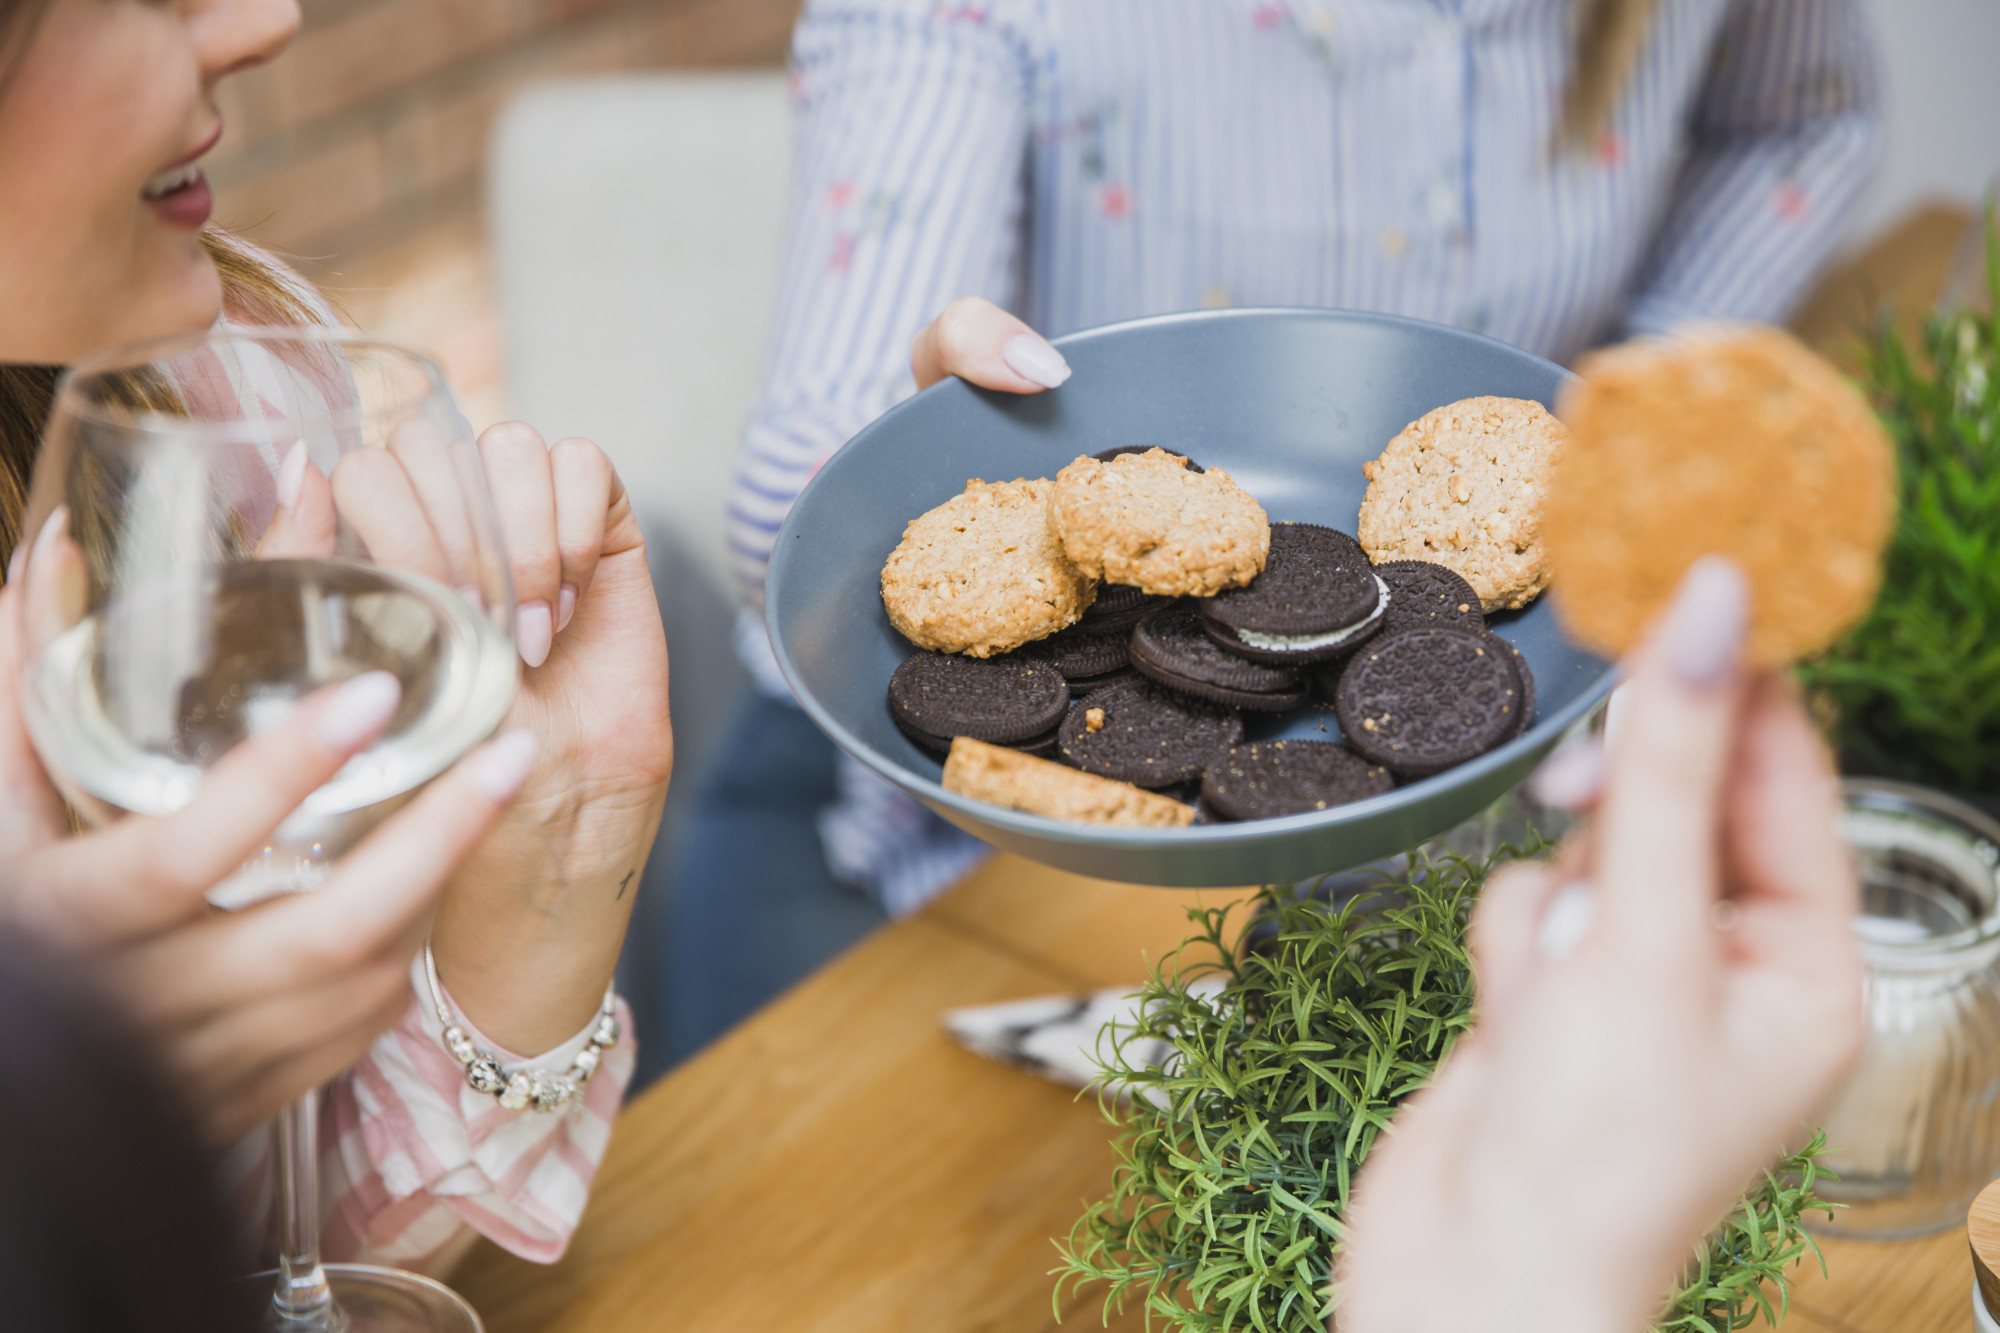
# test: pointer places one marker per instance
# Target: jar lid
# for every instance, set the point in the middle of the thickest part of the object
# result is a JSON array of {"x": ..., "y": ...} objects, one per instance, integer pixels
[{"x": 1982, "y": 1228}]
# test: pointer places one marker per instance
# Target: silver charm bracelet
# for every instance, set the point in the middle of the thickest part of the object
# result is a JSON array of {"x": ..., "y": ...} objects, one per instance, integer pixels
[{"x": 523, "y": 1089}]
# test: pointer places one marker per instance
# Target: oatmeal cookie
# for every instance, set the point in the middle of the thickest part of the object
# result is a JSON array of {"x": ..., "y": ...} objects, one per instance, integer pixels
[
  {"x": 982, "y": 573},
  {"x": 1019, "y": 782},
  {"x": 1731, "y": 441},
  {"x": 1147, "y": 521},
  {"x": 1463, "y": 487}
]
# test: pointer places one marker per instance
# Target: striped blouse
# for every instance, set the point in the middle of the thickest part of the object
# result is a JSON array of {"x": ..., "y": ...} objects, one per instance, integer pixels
[
  {"x": 1084, "y": 161},
  {"x": 415, "y": 1166}
]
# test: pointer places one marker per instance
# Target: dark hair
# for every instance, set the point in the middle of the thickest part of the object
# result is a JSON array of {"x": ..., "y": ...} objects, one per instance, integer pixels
[{"x": 109, "y": 1216}]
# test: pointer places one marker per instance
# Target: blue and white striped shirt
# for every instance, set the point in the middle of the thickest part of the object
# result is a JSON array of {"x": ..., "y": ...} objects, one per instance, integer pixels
[{"x": 1084, "y": 161}]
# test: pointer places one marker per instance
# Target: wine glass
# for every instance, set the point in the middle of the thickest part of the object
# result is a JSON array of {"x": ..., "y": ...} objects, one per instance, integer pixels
[{"x": 175, "y": 606}]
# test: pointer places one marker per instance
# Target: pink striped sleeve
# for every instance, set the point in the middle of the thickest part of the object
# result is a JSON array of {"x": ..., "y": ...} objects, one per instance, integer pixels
[{"x": 413, "y": 1162}]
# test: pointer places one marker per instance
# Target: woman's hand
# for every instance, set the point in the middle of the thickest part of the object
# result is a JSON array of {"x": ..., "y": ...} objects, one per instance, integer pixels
[
  {"x": 529, "y": 934},
  {"x": 254, "y": 1008},
  {"x": 1660, "y": 1012},
  {"x": 978, "y": 341}
]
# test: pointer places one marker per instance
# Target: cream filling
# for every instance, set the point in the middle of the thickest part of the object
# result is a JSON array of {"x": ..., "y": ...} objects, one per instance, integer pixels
[{"x": 1305, "y": 643}]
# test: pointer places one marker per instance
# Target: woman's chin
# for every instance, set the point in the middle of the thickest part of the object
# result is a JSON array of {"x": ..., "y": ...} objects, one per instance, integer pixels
[{"x": 187, "y": 300}]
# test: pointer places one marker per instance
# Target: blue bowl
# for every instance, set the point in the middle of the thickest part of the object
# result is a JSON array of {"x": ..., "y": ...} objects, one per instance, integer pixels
[{"x": 1291, "y": 403}]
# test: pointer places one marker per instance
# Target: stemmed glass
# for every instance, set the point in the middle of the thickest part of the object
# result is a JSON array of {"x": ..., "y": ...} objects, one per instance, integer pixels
[{"x": 174, "y": 607}]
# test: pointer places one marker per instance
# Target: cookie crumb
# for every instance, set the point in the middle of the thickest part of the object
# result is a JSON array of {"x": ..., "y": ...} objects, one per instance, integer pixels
[{"x": 1093, "y": 719}]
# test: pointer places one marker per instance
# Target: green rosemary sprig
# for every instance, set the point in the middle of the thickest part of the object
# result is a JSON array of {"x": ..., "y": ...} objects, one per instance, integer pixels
[
  {"x": 1913, "y": 692},
  {"x": 1735, "y": 1271},
  {"x": 1236, "y": 1160}
]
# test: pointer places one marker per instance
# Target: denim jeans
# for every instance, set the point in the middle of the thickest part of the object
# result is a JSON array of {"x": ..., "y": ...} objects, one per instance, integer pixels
[{"x": 744, "y": 905}]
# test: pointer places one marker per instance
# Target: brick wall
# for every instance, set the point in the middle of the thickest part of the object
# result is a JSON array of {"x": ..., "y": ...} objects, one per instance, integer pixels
[{"x": 375, "y": 122}]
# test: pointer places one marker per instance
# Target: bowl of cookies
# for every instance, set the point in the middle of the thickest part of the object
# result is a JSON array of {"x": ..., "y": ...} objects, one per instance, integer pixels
[{"x": 1256, "y": 595}]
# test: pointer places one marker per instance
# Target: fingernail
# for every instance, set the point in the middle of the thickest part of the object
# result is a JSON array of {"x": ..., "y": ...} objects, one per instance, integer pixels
[
  {"x": 1704, "y": 628},
  {"x": 504, "y": 767},
  {"x": 26, "y": 551},
  {"x": 1572, "y": 778},
  {"x": 565, "y": 606},
  {"x": 534, "y": 630},
  {"x": 1033, "y": 359},
  {"x": 358, "y": 710},
  {"x": 1568, "y": 919},
  {"x": 52, "y": 527},
  {"x": 292, "y": 476}
]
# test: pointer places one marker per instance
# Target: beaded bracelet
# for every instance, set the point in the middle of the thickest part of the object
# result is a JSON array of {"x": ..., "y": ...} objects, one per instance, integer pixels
[{"x": 523, "y": 1089}]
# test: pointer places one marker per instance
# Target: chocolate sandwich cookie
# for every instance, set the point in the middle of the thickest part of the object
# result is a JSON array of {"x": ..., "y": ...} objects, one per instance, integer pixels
[
  {"x": 1003, "y": 701},
  {"x": 1424, "y": 593},
  {"x": 1118, "y": 608},
  {"x": 1084, "y": 686},
  {"x": 1079, "y": 652},
  {"x": 1317, "y": 598},
  {"x": 1526, "y": 712},
  {"x": 1145, "y": 735},
  {"x": 1427, "y": 699},
  {"x": 1171, "y": 647},
  {"x": 1268, "y": 779},
  {"x": 1106, "y": 455},
  {"x": 1041, "y": 747}
]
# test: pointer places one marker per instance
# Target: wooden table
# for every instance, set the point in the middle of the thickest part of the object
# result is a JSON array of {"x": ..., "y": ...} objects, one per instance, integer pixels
[{"x": 837, "y": 1163}]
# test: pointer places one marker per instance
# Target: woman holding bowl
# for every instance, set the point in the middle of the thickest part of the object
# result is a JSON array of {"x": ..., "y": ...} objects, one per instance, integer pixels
[{"x": 1554, "y": 173}]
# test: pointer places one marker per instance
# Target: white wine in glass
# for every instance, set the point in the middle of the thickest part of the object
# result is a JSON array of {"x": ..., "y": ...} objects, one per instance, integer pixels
[{"x": 227, "y": 522}]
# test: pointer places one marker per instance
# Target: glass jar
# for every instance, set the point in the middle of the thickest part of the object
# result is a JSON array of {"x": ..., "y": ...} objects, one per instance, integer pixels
[{"x": 1915, "y": 1133}]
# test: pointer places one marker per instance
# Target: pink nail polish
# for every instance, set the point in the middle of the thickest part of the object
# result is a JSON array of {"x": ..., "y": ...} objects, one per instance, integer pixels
[
  {"x": 358, "y": 710},
  {"x": 1567, "y": 920},
  {"x": 292, "y": 477},
  {"x": 565, "y": 606},
  {"x": 52, "y": 527},
  {"x": 534, "y": 631},
  {"x": 1702, "y": 634},
  {"x": 1035, "y": 360},
  {"x": 1572, "y": 778},
  {"x": 500, "y": 771}
]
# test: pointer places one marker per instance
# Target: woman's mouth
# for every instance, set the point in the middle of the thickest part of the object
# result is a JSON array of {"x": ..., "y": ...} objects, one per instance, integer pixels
[{"x": 180, "y": 195}]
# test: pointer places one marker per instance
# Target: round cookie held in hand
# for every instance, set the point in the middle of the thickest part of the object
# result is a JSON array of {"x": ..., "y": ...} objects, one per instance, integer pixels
[
  {"x": 1737, "y": 442},
  {"x": 1463, "y": 486},
  {"x": 982, "y": 573},
  {"x": 1145, "y": 735},
  {"x": 1426, "y": 700},
  {"x": 1271, "y": 779},
  {"x": 1146, "y": 521}
]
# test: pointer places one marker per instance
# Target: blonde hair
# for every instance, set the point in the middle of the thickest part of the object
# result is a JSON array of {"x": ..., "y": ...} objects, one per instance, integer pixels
[
  {"x": 256, "y": 289},
  {"x": 1609, "y": 37}
]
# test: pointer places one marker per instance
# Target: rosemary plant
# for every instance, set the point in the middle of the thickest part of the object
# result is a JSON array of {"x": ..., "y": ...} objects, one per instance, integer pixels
[
  {"x": 1237, "y": 1159},
  {"x": 1913, "y": 692}
]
